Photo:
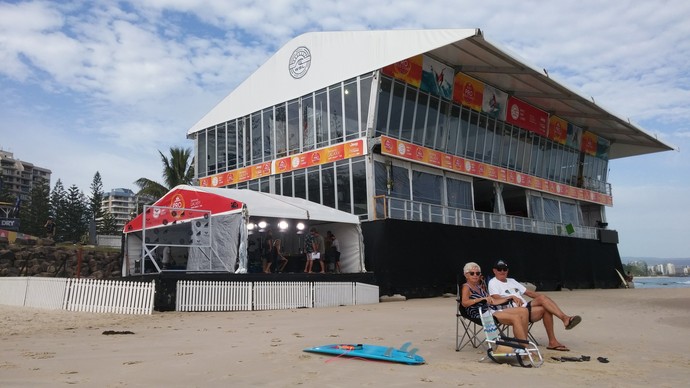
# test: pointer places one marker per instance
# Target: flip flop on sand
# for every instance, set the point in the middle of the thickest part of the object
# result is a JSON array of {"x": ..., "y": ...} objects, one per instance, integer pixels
[
  {"x": 560, "y": 348},
  {"x": 573, "y": 322}
]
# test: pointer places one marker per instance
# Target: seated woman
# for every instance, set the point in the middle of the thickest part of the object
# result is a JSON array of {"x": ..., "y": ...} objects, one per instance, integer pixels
[{"x": 474, "y": 295}]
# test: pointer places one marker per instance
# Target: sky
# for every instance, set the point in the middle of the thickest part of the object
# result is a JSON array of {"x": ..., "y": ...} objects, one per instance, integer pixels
[{"x": 104, "y": 86}]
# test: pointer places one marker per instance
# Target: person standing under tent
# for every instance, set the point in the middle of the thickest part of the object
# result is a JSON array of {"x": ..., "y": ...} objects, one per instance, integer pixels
[{"x": 308, "y": 250}]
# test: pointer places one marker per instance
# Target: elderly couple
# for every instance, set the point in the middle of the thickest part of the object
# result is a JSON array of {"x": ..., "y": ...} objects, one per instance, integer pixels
[{"x": 517, "y": 312}]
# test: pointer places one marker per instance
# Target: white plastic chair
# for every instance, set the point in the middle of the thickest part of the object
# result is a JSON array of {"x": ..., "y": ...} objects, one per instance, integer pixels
[{"x": 506, "y": 349}]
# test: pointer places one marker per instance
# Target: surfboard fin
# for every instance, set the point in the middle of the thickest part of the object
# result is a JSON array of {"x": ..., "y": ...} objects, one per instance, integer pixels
[
  {"x": 412, "y": 352},
  {"x": 388, "y": 352},
  {"x": 405, "y": 346}
]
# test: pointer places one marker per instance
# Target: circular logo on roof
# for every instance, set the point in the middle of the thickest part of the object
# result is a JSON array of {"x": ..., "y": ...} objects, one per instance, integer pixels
[
  {"x": 515, "y": 112},
  {"x": 300, "y": 60}
]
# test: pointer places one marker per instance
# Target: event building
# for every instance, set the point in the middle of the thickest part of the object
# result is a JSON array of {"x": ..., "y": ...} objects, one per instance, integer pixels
[{"x": 447, "y": 147}]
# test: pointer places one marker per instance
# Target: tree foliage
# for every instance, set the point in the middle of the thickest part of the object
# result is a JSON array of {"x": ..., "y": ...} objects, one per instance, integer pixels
[
  {"x": 58, "y": 209},
  {"x": 76, "y": 220},
  {"x": 96, "y": 198},
  {"x": 35, "y": 211},
  {"x": 177, "y": 170},
  {"x": 109, "y": 226}
]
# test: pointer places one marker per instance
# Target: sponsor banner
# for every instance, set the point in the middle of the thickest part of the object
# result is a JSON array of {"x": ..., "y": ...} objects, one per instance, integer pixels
[
  {"x": 589, "y": 143},
  {"x": 494, "y": 102},
  {"x": 437, "y": 78},
  {"x": 408, "y": 151},
  {"x": 9, "y": 224},
  {"x": 558, "y": 129},
  {"x": 324, "y": 155},
  {"x": 180, "y": 205},
  {"x": 408, "y": 70},
  {"x": 468, "y": 91},
  {"x": 574, "y": 137},
  {"x": 526, "y": 116},
  {"x": 603, "y": 147}
]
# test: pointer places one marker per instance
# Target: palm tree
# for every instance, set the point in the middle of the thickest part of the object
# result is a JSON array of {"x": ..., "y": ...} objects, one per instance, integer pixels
[{"x": 178, "y": 170}]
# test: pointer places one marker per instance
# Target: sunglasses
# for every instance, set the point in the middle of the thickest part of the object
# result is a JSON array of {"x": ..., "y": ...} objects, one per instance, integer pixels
[
  {"x": 474, "y": 273},
  {"x": 502, "y": 269}
]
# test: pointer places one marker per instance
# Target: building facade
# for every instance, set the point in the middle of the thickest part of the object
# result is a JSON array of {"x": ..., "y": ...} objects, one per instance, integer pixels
[
  {"x": 19, "y": 176},
  {"x": 122, "y": 204},
  {"x": 437, "y": 135}
]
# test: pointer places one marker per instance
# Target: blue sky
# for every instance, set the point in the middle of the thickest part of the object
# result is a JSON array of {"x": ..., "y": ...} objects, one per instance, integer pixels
[{"x": 101, "y": 87}]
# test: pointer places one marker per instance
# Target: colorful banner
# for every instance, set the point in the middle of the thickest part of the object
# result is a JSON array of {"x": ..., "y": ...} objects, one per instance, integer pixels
[
  {"x": 408, "y": 151},
  {"x": 558, "y": 129},
  {"x": 468, "y": 91},
  {"x": 574, "y": 138},
  {"x": 494, "y": 102},
  {"x": 178, "y": 205},
  {"x": 589, "y": 143},
  {"x": 526, "y": 116},
  {"x": 603, "y": 147},
  {"x": 437, "y": 78},
  {"x": 328, "y": 154},
  {"x": 408, "y": 70},
  {"x": 236, "y": 176}
]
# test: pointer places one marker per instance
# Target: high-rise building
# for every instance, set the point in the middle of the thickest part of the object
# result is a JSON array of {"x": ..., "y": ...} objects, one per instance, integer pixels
[
  {"x": 19, "y": 176},
  {"x": 121, "y": 203}
]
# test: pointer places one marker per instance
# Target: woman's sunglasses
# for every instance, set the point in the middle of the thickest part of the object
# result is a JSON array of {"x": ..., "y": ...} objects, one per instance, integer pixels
[{"x": 474, "y": 273}]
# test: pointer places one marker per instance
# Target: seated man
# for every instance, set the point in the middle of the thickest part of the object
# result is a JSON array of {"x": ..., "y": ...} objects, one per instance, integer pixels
[
  {"x": 540, "y": 307},
  {"x": 475, "y": 295}
]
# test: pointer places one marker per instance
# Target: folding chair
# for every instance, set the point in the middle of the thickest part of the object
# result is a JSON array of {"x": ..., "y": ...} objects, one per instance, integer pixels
[
  {"x": 501, "y": 348},
  {"x": 471, "y": 328}
]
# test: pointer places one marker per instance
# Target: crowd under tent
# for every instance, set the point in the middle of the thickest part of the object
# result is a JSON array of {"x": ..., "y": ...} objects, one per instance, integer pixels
[{"x": 222, "y": 230}]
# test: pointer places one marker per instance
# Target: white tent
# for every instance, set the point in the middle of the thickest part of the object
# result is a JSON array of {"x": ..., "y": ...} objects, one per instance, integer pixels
[{"x": 211, "y": 226}]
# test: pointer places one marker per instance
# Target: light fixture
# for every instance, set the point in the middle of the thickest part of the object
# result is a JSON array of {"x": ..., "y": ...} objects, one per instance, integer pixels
[
  {"x": 250, "y": 226},
  {"x": 300, "y": 226},
  {"x": 283, "y": 225},
  {"x": 262, "y": 224}
]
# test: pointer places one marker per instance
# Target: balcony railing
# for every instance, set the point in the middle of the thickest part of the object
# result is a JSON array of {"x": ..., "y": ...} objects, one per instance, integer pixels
[{"x": 402, "y": 209}]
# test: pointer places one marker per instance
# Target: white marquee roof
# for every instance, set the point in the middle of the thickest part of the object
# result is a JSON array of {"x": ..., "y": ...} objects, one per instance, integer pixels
[{"x": 338, "y": 56}]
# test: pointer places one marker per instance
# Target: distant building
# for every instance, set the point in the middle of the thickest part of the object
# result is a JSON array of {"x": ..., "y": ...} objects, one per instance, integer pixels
[
  {"x": 670, "y": 269},
  {"x": 123, "y": 204},
  {"x": 19, "y": 176},
  {"x": 660, "y": 269}
]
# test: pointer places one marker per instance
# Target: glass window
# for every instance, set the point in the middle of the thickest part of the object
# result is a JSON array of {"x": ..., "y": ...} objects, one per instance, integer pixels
[
  {"x": 380, "y": 178},
  {"x": 396, "y": 109},
  {"x": 459, "y": 193},
  {"x": 281, "y": 131},
  {"x": 401, "y": 183},
  {"x": 431, "y": 121},
  {"x": 201, "y": 154},
  {"x": 256, "y": 149},
  {"x": 300, "y": 184},
  {"x": 211, "y": 151},
  {"x": 426, "y": 187},
  {"x": 343, "y": 179},
  {"x": 453, "y": 130},
  {"x": 442, "y": 126},
  {"x": 222, "y": 156},
  {"x": 351, "y": 120},
  {"x": 408, "y": 113},
  {"x": 321, "y": 117},
  {"x": 364, "y": 96},
  {"x": 308, "y": 135},
  {"x": 420, "y": 119},
  {"x": 267, "y": 139},
  {"x": 384, "y": 105},
  {"x": 293, "y": 127},
  {"x": 287, "y": 184},
  {"x": 335, "y": 114},
  {"x": 243, "y": 141},
  {"x": 232, "y": 145},
  {"x": 359, "y": 186},
  {"x": 328, "y": 185},
  {"x": 314, "y": 184}
]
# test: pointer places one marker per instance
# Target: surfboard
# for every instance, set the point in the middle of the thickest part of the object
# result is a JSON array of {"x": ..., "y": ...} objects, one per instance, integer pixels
[
  {"x": 625, "y": 282},
  {"x": 403, "y": 355}
]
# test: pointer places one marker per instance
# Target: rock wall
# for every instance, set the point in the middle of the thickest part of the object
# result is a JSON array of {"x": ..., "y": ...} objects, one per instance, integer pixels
[{"x": 43, "y": 258}]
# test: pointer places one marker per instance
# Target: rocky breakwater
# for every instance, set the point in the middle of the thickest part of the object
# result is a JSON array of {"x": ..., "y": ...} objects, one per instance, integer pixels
[{"x": 43, "y": 258}]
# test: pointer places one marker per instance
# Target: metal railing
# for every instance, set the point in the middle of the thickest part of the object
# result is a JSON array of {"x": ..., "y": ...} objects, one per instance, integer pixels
[{"x": 402, "y": 209}]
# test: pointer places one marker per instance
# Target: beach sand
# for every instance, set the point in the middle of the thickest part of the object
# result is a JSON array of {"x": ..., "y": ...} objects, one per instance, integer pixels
[{"x": 645, "y": 333}]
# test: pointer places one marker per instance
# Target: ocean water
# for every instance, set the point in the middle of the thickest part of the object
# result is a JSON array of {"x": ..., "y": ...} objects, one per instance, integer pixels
[{"x": 662, "y": 282}]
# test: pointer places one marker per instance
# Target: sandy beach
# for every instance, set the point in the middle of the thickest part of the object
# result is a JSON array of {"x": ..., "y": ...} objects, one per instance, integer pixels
[{"x": 645, "y": 333}]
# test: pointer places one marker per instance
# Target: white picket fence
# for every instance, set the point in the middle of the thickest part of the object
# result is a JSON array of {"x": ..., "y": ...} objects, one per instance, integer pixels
[
  {"x": 246, "y": 296},
  {"x": 88, "y": 295}
]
